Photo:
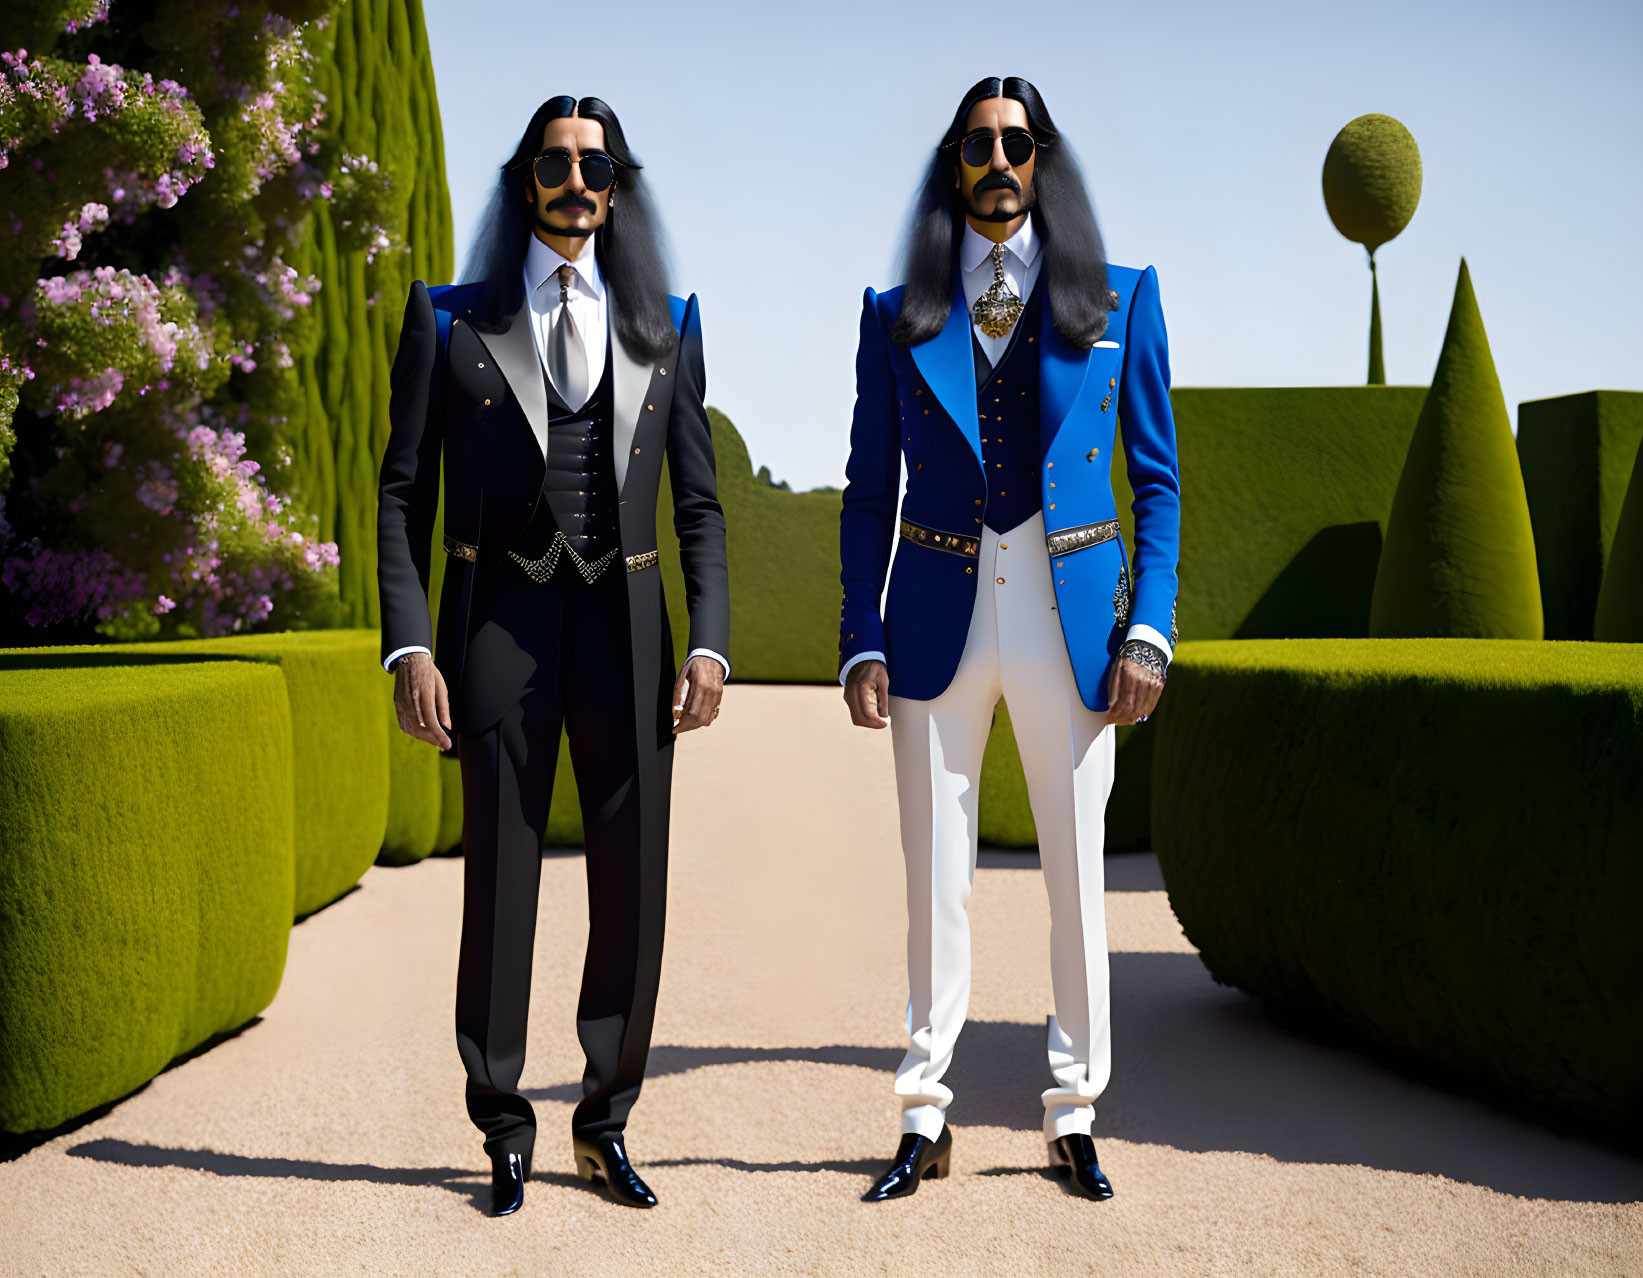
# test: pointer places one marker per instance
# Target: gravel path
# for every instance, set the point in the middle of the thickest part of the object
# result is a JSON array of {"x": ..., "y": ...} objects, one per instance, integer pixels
[{"x": 330, "y": 1135}]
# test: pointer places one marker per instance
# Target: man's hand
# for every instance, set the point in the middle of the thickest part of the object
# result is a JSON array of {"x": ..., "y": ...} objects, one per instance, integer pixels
[
  {"x": 420, "y": 699},
  {"x": 1132, "y": 691},
  {"x": 696, "y": 695},
  {"x": 867, "y": 693}
]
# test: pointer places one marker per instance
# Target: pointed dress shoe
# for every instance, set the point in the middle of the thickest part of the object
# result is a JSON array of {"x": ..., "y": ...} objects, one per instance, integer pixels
[
  {"x": 918, "y": 1158},
  {"x": 509, "y": 1172},
  {"x": 606, "y": 1156},
  {"x": 1076, "y": 1153}
]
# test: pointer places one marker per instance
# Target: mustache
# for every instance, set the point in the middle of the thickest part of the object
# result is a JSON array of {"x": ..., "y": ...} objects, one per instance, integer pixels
[
  {"x": 577, "y": 202},
  {"x": 997, "y": 182}
]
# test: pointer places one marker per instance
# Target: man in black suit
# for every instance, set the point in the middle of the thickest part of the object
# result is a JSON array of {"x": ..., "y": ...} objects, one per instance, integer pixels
[{"x": 554, "y": 384}]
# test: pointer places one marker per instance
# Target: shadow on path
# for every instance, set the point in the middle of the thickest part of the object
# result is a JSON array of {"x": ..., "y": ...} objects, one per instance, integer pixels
[
  {"x": 1197, "y": 1067},
  {"x": 1201, "y": 1067}
]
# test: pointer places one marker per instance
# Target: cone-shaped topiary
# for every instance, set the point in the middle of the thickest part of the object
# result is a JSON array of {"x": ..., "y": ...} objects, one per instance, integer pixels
[
  {"x": 1372, "y": 185},
  {"x": 1459, "y": 554},
  {"x": 388, "y": 222},
  {"x": 1619, "y": 616}
]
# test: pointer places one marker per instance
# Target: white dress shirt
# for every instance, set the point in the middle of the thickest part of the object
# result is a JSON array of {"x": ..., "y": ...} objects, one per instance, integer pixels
[
  {"x": 587, "y": 302},
  {"x": 1022, "y": 258}
]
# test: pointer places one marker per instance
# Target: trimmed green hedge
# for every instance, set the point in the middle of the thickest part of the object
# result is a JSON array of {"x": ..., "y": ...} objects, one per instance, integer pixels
[
  {"x": 1437, "y": 843},
  {"x": 336, "y": 685},
  {"x": 1576, "y": 452},
  {"x": 415, "y": 792},
  {"x": 146, "y": 886}
]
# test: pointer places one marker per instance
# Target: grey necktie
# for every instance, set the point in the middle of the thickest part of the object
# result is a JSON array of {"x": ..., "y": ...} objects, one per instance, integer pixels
[{"x": 567, "y": 352}]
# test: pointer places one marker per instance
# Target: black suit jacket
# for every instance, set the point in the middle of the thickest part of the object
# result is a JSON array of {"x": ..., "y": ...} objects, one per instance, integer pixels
[{"x": 476, "y": 399}]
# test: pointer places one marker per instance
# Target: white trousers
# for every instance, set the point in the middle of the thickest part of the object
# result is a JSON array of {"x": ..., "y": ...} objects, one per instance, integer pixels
[{"x": 1015, "y": 650}]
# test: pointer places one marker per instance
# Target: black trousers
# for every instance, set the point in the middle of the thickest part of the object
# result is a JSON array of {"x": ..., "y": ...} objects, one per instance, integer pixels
[{"x": 579, "y": 639}]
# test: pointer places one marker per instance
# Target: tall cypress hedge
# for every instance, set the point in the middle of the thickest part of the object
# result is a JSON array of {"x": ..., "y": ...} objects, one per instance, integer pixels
[{"x": 377, "y": 76}]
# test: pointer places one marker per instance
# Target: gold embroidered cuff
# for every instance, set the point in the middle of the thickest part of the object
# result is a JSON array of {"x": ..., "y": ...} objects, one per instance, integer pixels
[
  {"x": 461, "y": 549},
  {"x": 644, "y": 559},
  {"x": 952, "y": 543}
]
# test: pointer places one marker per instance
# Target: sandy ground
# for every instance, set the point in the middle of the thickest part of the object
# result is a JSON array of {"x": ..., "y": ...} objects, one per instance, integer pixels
[{"x": 330, "y": 1136}]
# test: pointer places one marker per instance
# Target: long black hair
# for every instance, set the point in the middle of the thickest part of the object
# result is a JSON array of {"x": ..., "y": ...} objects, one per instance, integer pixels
[
  {"x": 628, "y": 245},
  {"x": 1075, "y": 264}
]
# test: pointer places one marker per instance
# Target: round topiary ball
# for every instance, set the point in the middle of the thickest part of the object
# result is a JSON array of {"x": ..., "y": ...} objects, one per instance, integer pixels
[{"x": 1372, "y": 180}]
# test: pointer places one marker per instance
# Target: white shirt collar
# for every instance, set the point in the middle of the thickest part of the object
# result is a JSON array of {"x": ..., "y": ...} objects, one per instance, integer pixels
[
  {"x": 541, "y": 262},
  {"x": 974, "y": 247}
]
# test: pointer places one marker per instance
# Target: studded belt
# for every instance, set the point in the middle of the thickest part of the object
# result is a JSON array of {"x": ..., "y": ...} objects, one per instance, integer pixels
[
  {"x": 952, "y": 543},
  {"x": 1067, "y": 540},
  {"x": 541, "y": 569}
]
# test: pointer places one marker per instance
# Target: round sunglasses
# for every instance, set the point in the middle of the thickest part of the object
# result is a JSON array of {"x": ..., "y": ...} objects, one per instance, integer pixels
[
  {"x": 552, "y": 168},
  {"x": 976, "y": 149}
]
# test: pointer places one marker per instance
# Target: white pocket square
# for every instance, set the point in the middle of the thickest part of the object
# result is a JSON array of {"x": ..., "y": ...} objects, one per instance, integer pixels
[{"x": 1111, "y": 345}]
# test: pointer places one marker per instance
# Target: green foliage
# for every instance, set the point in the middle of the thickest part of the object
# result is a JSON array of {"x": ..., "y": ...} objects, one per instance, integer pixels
[
  {"x": 1459, "y": 558},
  {"x": 388, "y": 222},
  {"x": 146, "y": 886},
  {"x": 336, "y": 687},
  {"x": 1619, "y": 617},
  {"x": 414, "y": 791},
  {"x": 783, "y": 549},
  {"x": 1576, "y": 453},
  {"x": 167, "y": 151},
  {"x": 1436, "y": 843},
  {"x": 1372, "y": 180}
]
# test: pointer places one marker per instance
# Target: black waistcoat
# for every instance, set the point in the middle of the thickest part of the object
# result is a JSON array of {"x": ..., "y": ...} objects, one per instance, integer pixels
[
  {"x": 1007, "y": 400},
  {"x": 579, "y": 482}
]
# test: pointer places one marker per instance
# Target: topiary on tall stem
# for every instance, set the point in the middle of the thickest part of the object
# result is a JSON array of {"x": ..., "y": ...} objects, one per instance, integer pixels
[
  {"x": 1372, "y": 185},
  {"x": 1459, "y": 554}
]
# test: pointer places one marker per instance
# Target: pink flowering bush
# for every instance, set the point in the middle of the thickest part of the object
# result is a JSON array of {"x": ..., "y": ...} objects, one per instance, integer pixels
[{"x": 159, "y": 161}]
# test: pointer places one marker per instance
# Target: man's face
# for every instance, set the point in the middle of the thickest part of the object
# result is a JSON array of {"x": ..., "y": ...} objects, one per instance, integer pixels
[
  {"x": 996, "y": 191},
  {"x": 570, "y": 208}
]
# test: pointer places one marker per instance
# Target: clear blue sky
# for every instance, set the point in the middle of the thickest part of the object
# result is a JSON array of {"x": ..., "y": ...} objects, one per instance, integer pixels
[{"x": 784, "y": 142}]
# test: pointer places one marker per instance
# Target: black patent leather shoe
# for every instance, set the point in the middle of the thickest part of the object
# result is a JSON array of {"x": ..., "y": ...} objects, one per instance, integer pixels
[
  {"x": 918, "y": 1158},
  {"x": 509, "y": 1172},
  {"x": 1077, "y": 1154},
  {"x": 606, "y": 1157}
]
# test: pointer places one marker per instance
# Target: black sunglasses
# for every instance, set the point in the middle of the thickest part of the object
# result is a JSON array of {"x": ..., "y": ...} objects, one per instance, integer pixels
[
  {"x": 552, "y": 168},
  {"x": 977, "y": 147}
]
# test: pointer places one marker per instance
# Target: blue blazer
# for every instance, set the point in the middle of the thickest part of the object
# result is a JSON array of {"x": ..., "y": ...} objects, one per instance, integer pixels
[{"x": 919, "y": 402}]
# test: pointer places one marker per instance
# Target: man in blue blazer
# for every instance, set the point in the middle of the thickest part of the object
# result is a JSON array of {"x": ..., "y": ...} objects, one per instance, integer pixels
[{"x": 997, "y": 372}]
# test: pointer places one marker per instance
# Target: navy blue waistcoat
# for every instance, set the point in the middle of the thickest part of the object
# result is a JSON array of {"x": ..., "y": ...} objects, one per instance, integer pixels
[{"x": 1007, "y": 401}]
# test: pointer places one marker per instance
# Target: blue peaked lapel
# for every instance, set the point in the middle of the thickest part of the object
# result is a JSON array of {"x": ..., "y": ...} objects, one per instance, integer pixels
[
  {"x": 1062, "y": 368},
  {"x": 947, "y": 364}
]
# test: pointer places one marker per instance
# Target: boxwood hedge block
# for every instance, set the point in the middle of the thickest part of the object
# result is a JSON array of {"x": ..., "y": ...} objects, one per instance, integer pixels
[
  {"x": 335, "y": 684},
  {"x": 450, "y": 806},
  {"x": 1437, "y": 843},
  {"x": 783, "y": 550},
  {"x": 1619, "y": 616},
  {"x": 1576, "y": 453},
  {"x": 146, "y": 885},
  {"x": 415, "y": 792}
]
